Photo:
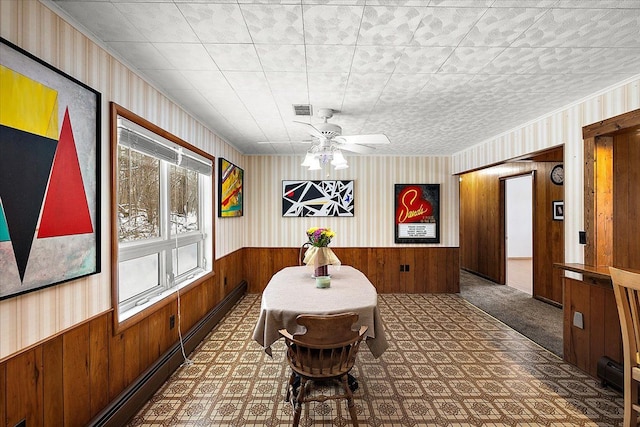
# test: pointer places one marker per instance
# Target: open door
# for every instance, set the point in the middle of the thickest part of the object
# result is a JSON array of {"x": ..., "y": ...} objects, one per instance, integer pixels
[{"x": 519, "y": 232}]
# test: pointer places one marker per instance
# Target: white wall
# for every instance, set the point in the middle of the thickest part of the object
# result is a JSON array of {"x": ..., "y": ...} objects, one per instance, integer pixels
[{"x": 519, "y": 196}]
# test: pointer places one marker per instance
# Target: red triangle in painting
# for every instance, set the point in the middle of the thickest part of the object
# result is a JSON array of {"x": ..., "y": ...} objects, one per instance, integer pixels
[{"x": 65, "y": 210}]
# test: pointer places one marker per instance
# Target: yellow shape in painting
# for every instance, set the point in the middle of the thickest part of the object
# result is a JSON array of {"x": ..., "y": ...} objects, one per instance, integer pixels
[{"x": 28, "y": 105}]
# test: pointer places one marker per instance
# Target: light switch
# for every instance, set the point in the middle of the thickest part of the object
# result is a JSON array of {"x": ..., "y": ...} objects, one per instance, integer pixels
[{"x": 578, "y": 320}]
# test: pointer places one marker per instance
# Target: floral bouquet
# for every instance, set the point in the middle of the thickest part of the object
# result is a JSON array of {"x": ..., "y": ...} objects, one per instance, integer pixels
[
  {"x": 320, "y": 237},
  {"x": 319, "y": 256}
]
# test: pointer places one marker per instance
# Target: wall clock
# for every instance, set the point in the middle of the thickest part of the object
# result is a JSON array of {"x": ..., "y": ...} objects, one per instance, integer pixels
[{"x": 557, "y": 175}]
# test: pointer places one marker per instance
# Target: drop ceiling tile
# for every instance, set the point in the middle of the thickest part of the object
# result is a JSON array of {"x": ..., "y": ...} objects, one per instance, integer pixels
[
  {"x": 541, "y": 4},
  {"x": 158, "y": 22},
  {"x": 142, "y": 55},
  {"x": 583, "y": 28},
  {"x": 461, "y": 3},
  {"x": 287, "y": 82},
  {"x": 274, "y": 24},
  {"x": 210, "y": 82},
  {"x": 442, "y": 26},
  {"x": 186, "y": 56},
  {"x": 92, "y": 15},
  {"x": 216, "y": 23},
  {"x": 376, "y": 59},
  {"x": 332, "y": 24},
  {"x": 423, "y": 59},
  {"x": 445, "y": 83},
  {"x": 260, "y": 108},
  {"x": 327, "y": 82},
  {"x": 401, "y": 82},
  {"x": 372, "y": 82},
  {"x": 599, "y": 4},
  {"x": 248, "y": 81},
  {"x": 500, "y": 27},
  {"x": 329, "y": 58},
  {"x": 168, "y": 79},
  {"x": 284, "y": 57},
  {"x": 470, "y": 60},
  {"x": 234, "y": 57},
  {"x": 387, "y": 25}
]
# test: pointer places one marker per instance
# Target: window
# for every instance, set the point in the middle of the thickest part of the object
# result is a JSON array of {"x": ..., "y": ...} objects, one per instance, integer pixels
[{"x": 163, "y": 216}]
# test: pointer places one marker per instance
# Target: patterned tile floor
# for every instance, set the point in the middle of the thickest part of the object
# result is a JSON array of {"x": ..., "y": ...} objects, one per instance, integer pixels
[{"x": 448, "y": 364}]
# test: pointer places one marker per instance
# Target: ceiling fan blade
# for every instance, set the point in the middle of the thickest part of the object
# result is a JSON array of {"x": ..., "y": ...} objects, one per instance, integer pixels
[
  {"x": 311, "y": 129},
  {"x": 373, "y": 139},
  {"x": 356, "y": 148}
]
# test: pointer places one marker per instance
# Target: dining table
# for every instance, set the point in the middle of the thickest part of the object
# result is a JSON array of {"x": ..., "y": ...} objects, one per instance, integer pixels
[{"x": 292, "y": 291}]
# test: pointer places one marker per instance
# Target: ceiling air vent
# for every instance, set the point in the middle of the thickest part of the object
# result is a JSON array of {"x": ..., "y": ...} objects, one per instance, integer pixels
[{"x": 302, "y": 109}]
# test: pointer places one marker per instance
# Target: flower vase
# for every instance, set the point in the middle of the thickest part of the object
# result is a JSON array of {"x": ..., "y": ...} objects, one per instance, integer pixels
[{"x": 321, "y": 270}]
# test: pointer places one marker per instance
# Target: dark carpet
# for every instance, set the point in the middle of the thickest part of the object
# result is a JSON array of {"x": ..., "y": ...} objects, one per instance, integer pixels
[{"x": 537, "y": 320}]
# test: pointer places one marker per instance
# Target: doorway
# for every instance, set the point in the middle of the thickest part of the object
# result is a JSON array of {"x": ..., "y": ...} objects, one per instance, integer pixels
[{"x": 519, "y": 232}]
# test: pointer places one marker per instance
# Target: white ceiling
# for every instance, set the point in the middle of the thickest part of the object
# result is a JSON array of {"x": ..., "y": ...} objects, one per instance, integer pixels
[{"x": 435, "y": 76}]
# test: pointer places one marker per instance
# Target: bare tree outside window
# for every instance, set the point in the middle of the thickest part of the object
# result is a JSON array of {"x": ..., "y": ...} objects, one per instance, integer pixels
[
  {"x": 183, "y": 201},
  {"x": 138, "y": 195}
]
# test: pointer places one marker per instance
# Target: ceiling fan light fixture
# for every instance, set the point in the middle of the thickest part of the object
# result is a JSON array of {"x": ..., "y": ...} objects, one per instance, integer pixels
[
  {"x": 308, "y": 159},
  {"x": 315, "y": 164},
  {"x": 338, "y": 159}
]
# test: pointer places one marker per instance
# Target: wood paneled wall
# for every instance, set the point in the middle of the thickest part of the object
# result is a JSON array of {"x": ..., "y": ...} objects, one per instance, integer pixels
[
  {"x": 68, "y": 379},
  {"x": 601, "y": 334},
  {"x": 431, "y": 269},
  {"x": 626, "y": 200},
  {"x": 482, "y": 225}
]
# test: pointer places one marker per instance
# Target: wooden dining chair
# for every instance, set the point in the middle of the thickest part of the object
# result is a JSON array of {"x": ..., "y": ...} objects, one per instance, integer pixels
[
  {"x": 626, "y": 287},
  {"x": 326, "y": 351}
]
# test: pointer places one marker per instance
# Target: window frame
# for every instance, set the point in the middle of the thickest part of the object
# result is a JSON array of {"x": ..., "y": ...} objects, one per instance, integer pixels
[{"x": 134, "y": 249}]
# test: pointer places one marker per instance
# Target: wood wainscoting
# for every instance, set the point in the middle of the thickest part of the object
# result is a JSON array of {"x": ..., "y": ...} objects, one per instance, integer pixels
[
  {"x": 86, "y": 375},
  {"x": 430, "y": 269},
  {"x": 70, "y": 378}
]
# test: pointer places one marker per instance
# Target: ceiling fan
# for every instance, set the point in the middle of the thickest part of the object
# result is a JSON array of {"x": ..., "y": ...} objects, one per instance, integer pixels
[
  {"x": 330, "y": 141},
  {"x": 327, "y": 134}
]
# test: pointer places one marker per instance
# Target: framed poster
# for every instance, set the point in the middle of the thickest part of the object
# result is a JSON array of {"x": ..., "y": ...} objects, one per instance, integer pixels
[
  {"x": 230, "y": 187},
  {"x": 417, "y": 213},
  {"x": 49, "y": 175},
  {"x": 317, "y": 198}
]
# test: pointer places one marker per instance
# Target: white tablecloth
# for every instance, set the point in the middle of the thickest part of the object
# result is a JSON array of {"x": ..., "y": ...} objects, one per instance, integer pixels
[{"x": 292, "y": 291}]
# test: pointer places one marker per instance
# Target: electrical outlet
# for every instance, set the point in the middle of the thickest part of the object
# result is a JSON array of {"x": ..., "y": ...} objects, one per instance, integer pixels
[
  {"x": 401, "y": 267},
  {"x": 406, "y": 267},
  {"x": 172, "y": 321},
  {"x": 582, "y": 237},
  {"x": 225, "y": 281}
]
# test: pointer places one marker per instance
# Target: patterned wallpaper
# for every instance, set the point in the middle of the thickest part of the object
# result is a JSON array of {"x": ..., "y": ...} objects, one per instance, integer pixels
[
  {"x": 374, "y": 178},
  {"x": 29, "y": 318}
]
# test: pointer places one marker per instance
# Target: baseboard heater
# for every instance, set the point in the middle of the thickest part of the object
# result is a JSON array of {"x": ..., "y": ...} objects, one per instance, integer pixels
[
  {"x": 129, "y": 402},
  {"x": 610, "y": 373}
]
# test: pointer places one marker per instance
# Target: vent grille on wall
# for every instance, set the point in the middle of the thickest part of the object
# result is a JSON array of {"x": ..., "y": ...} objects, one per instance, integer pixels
[{"x": 302, "y": 109}]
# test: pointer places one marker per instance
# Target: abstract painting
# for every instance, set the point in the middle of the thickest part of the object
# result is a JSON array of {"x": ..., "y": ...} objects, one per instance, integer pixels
[
  {"x": 417, "y": 213},
  {"x": 230, "y": 186},
  {"x": 317, "y": 198},
  {"x": 49, "y": 175}
]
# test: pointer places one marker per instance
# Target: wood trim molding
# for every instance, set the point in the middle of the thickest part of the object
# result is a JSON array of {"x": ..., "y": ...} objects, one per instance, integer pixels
[{"x": 129, "y": 402}]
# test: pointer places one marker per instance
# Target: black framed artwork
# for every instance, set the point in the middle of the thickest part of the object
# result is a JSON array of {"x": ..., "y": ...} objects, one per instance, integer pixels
[
  {"x": 417, "y": 213},
  {"x": 317, "y": 198},
  {"x": 49, "y": 175},
  {"x": 230, "y": 189}
]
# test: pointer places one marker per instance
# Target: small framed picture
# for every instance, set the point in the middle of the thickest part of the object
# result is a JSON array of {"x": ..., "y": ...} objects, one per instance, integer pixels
[{"x": 558, "y": 210}]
